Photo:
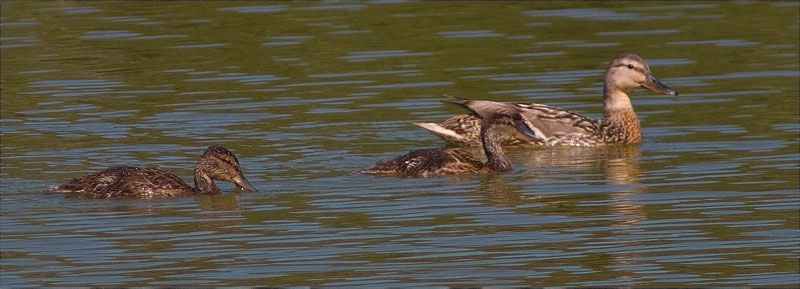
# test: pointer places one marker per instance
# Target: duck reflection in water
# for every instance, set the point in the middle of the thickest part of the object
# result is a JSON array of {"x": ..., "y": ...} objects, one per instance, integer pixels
[{"x": 616, "y": 164}]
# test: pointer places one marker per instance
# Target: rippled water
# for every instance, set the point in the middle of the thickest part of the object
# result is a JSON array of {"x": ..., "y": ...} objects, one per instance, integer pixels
[{"x": 307, "y": 93}]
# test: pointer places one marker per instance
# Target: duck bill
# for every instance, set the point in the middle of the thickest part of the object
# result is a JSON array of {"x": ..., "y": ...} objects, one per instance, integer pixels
[
  {"x": 243, "y": 183},
  {"x": 656, "y": 86}
]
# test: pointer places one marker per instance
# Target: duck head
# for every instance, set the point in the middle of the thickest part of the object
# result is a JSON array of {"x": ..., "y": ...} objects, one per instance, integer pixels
[
  {"x": 494, "y": 127},
  {"x": 628, "y": 71},
  {"x": 218, "y": 163}
]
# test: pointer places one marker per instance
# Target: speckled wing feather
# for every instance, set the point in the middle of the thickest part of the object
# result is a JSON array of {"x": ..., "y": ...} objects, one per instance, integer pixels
[
  {"x": 551, "y": 126},
  {"x": 428, "y": 163},
  {"x": 464, "y": 130},
  {"x": 459, "y": 130},
  {"x": 554, "y": 126},
  {"x": 127, "y": 182}
]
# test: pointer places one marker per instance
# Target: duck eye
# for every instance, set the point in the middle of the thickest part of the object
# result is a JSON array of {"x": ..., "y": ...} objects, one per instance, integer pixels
[{"x": 630, "y": 66}]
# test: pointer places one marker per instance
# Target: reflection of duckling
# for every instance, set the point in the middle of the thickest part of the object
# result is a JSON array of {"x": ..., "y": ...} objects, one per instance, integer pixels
[
  {"x": 134, "y": 182},
  {"x": 437, "y": 162},
  {"x": 554, "y": 126}
]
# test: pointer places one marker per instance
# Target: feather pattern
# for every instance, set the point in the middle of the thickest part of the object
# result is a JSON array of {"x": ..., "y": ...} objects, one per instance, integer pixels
[
  {"x": 439, "y": 162},
  {"x": 552, "y": 126},
  {"x": 429, "y": 163},
  {"x": 128, "y": 182},
  {"x": 151, "y": 182}
]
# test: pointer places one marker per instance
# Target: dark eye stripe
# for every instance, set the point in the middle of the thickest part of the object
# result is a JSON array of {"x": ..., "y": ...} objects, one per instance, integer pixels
[
  {"x": 226, "y": 160},
  {"x": 634, "y": 67}
]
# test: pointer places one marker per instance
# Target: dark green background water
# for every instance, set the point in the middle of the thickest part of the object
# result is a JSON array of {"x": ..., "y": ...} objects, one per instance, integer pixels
[{"x": 306, "y": 93}]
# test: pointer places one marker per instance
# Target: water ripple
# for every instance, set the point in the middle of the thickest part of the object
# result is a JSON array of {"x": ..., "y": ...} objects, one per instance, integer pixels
[
  {"x": 470, "y": 34},
  {"x": 109, "y": 34},
  {"x": 373, "y": 55},
  {"x": 307, "y": 93},
  {"x": 594, "y": 14},
  {"x": 256, "y": 9}
]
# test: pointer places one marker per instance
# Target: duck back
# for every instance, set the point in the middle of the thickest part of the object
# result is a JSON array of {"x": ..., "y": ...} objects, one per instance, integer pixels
[
  {"x": 429, "y": 163},
  {"x": 127, "y": 182}
]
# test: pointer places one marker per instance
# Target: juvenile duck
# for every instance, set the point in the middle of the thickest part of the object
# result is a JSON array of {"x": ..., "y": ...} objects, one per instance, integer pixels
[
  {"x": 216, "y": 163},
  {"x": 438, "y": 162},
  {"x": 553, "y": 126}
]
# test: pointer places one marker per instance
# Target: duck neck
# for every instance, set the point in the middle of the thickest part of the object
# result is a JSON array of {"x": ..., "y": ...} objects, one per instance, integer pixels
[
  {"x": 202, "y": 181},
  {"x": 618, "y": 114},
  {"x": 496, "y": 158},
  {"x": 615, "y": 101}
]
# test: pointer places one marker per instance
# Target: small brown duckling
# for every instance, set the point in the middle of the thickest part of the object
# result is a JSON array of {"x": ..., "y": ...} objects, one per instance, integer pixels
[
  {"x": 216, "y": 163},
  {"x": 439, "y": 162}
]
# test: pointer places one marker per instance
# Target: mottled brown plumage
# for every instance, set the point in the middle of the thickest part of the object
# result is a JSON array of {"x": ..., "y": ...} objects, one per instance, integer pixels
[
  {"x": 216, "y": 163},
  {"x": 438, "y": 162},
  {"x": 553, "y": 126},
  {"x": 429, "y": 163}
]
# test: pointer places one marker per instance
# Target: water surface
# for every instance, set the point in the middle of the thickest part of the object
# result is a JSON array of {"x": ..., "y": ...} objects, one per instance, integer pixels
[{"x": 307, "y": 93}]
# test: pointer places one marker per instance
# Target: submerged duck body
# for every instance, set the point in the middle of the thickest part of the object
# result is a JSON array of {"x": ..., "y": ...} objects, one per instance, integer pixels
[
  {"x": 429, "y": 163},
  {"x": 216, "y": 163},
  {"x": 440, "y": 162},
  {"x": 552, "y": 126}
]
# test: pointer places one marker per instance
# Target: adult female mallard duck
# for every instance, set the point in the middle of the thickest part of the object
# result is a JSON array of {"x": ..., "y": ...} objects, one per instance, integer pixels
[
  {"x": 554, "y": 126},
  {"x": 438, "y": 162},
  {"x": 216, "y": 163}
]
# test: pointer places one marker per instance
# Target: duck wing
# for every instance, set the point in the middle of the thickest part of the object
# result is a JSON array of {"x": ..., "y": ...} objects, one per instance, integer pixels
[
  {"x": 126, "y": 182},
  {"x": 465, "y": 129},
  {"x": 547, "y": 125},
  {"x": 556, "y": 126},
  {"x": 151, "y": 182},
  {"x": 95, "y": 185},
  {"x": 459, "y": 130}
]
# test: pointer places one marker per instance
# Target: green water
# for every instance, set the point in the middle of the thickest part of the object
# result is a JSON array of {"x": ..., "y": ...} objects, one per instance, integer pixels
[{"x": 306, "y": 93}]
